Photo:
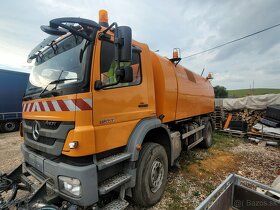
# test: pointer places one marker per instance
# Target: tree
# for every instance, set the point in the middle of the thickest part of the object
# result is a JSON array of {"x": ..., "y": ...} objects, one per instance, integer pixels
[{"x": 220, "y": 92}]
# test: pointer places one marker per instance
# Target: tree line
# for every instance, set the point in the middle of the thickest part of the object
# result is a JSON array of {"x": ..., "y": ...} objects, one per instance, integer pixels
[{"x": 220, "y": 92}]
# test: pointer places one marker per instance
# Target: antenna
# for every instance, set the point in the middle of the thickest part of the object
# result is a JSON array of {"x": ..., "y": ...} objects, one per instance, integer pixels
[{"x": 202, "y": 72}]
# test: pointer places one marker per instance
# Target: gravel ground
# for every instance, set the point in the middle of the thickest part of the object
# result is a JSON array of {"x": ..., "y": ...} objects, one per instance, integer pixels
[
  {"x": 201, "y": 170},
  {"x": 10, "y": 155}
]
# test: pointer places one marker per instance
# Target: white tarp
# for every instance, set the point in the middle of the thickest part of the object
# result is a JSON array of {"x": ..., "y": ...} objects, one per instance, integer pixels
[
  {"x": 251, "y": 102},
  {"x": 266, "y": 129}
]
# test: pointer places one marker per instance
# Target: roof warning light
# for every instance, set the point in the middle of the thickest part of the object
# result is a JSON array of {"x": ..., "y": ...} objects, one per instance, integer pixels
[{"x": 103, "y": 18}]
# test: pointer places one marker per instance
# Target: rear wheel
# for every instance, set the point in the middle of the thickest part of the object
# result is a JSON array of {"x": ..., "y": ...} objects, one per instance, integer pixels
[
  {"x": 9, "y": 126},
  {"x": 151, "y": 175},
  {"x": 207, "y": 136}
]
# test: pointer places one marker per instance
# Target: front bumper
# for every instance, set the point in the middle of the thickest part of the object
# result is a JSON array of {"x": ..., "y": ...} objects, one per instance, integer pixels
[{"x": 50, "y": 169}]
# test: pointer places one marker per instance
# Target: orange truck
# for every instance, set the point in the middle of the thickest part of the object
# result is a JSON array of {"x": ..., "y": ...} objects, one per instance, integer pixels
[{"x": 106, "y": 117}]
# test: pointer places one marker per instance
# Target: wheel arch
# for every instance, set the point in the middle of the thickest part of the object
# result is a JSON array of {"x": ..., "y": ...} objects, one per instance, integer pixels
[{"x": 149, "y": 130}]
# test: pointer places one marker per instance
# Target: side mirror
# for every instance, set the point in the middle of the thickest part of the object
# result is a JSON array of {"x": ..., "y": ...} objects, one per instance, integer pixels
[
  {"x": 98, "y": 85},
  {"x": 126, "y": 74},
  {"x": 125, "y": 37}
]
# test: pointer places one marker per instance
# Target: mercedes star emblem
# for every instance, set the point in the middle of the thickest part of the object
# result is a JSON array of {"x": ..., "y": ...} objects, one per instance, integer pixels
[{"x": 35, "y": 130}]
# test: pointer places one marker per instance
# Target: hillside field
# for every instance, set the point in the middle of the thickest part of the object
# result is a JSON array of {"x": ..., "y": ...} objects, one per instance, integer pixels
[{"x": 246, "y": 92}]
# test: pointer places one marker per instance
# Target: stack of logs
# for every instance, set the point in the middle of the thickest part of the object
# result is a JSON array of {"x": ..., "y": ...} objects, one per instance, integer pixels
[{"x": 252, "y": 117}]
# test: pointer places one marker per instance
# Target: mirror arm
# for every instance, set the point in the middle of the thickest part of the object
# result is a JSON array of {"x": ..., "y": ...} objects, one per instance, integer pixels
[
  {"x": 117, "y": 41},
  {"x": 101, "y": 35},
  {"x": 110, "y": 26}
]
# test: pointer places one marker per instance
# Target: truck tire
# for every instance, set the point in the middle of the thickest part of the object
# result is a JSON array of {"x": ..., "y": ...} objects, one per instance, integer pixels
[
  {"x": 151, "y": 175},
  {"x": 207, "y": 136},
  {"x": 9, "y": 126}
]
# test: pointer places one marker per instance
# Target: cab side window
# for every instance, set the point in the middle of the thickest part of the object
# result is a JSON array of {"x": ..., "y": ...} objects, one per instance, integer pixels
[{"x": 108, "y": 66}]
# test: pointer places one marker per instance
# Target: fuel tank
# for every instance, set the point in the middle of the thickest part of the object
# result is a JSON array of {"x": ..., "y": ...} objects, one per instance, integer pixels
[{"x": 179, "y": 92}]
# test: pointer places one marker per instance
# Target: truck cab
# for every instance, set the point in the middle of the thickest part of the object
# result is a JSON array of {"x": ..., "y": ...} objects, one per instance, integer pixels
[
  {"x": 75, "y": 114},
  {"x": 99, "y": 116}
]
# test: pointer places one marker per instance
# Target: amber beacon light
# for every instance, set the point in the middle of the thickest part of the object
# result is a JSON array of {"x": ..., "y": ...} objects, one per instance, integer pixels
[
  {"x": 103, "y": 18},
  {"x": 176, "y": 53}
]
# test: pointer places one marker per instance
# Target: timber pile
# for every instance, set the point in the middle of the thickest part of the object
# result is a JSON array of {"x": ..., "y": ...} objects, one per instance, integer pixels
[
  {"x": 243, "y": 122},
  {"x": 251, "y": 117}
]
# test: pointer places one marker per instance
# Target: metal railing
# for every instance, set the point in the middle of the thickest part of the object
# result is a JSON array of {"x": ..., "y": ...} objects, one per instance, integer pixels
[
  {"x": 10, "y": 115},
  {"x": 227, "y": 196}
]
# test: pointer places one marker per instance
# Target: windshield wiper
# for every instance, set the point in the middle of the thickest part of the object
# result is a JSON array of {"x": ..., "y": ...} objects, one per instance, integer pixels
[{"x": 55, "y": 82}]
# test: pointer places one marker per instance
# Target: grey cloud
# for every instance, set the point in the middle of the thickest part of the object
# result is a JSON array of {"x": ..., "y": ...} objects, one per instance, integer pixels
[{"x": 192, "y": 25}]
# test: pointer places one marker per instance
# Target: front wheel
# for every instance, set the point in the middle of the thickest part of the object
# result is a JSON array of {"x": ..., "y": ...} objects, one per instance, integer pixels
[{"x": 151, "y": 175}]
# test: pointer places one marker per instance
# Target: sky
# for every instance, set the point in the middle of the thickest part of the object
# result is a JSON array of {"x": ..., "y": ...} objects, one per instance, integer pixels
[{"x": 191, "y": 25}]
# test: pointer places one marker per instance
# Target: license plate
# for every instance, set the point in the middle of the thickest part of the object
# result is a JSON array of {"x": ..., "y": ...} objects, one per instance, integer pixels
[{"x": 36, "y": 161}]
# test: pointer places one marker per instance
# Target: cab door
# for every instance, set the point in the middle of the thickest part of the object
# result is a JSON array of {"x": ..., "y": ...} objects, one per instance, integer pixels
[{"x": 117, "y": 109}]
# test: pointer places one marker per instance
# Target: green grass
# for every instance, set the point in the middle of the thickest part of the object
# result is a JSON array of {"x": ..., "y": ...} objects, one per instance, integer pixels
[
  {"x": 221, "y": 142},
  {"x": 224, "y": 142},
  {"x": 246, "y": 92},
  {"x": 176, "y": 199}
]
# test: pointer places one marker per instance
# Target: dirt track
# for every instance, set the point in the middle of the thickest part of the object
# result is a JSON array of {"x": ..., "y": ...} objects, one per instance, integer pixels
[{"x": 201, "y": 170}]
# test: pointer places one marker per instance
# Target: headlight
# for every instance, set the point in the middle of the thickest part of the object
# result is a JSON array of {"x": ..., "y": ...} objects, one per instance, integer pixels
[{"x": 70, "y": 185}]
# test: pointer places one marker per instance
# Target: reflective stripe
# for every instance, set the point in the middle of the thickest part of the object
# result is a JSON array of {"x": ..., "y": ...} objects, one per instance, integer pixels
[
  {"x": 70, "y": 104},
  {"x": 46, "y": 106},
  {"x": 56, "y": 106},
  {"x": 80, "y": 104}
]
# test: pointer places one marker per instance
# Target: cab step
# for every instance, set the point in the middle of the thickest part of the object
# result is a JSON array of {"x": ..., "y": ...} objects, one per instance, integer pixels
[
  {"x": 112, "y": 160},
  {"x": 116, "y": 205},
  {"x": 113, "y": 182}
]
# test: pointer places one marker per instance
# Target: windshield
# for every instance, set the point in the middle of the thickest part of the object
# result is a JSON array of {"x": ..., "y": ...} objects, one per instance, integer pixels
[{"x": 63, "y": 60}]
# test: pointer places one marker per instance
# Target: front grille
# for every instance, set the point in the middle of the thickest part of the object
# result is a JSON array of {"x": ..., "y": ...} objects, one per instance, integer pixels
[
  {"x": 42, "y": 139},
  {"x": 51, "y": 138},
  {"x": 46, "y": 124}
]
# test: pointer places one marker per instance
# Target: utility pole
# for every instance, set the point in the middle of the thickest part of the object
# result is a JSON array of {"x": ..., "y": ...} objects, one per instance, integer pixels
[
  {"x": 250, "y": 92},
  {"x": 253, "y": 87}
]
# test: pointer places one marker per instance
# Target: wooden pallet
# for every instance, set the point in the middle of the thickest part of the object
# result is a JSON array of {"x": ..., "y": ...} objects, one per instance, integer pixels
[
  {"x": 264, "y": 136},
  {"x": 217, "y": 118},
  {"x": 235, "y": 133}
]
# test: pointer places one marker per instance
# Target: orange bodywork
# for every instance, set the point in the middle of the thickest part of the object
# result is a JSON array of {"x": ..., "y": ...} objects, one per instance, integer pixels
[
  {"x": 116, "y": 110},
  {"x": 174, "y": 92},
  {"x": 180, "y": 93}
]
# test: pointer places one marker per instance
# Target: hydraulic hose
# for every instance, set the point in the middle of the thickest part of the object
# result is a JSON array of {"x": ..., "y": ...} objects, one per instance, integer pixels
[
  {"x": 5, "y": 184},
  {"x": 6, "y": 204}
]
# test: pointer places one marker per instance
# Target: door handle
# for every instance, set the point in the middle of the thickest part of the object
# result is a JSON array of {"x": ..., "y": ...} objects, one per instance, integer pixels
[{"x": 142, "y": 105}]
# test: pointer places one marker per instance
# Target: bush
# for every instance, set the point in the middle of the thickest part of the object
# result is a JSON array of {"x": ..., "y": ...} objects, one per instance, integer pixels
[{"x": 220, "y": 92}]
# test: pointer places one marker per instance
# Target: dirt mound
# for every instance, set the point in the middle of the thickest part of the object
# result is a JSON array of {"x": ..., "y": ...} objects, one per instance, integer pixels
[{"x": 219, "y": 162}]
